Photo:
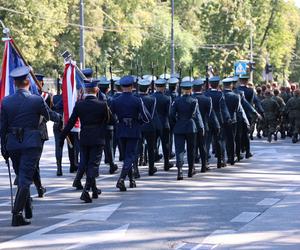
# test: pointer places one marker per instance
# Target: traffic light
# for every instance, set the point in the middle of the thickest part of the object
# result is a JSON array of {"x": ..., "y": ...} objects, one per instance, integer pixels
[
  {"x": 251, "y": 66},
  {"x": 269, "y": 68}
]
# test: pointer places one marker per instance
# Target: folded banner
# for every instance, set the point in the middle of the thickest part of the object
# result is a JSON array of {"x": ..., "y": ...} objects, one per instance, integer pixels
[
  {"x": 11, "y": 60},
  {"x": 70, "y": 85}
]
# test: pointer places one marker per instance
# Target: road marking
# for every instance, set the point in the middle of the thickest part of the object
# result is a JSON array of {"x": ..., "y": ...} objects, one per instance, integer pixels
[
  {"x": 204, "y": 247},
  {"x": 245, "y": 217},
  {"x": 267, "y": 202},
  {"x": 286, "y": 189},
  {"x": 40, "y": 237},
  {"x": 217, "y": 237},
  {"x": 181, "y": 245}
]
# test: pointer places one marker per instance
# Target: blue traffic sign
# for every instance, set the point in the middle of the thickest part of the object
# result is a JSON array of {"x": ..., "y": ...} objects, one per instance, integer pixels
[{"x": 240, "y": 68}]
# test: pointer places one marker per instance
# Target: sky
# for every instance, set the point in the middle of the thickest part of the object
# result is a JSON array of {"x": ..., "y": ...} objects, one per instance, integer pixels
[{"x": 297, "y": 3}]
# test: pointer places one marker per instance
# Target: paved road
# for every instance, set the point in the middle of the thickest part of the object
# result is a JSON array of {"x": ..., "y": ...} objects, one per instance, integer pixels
[{"x": 253, "y": 205}]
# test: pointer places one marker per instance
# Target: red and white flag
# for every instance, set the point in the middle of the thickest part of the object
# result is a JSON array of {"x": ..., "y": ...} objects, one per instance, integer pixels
[{"x": 70, "y": 93}]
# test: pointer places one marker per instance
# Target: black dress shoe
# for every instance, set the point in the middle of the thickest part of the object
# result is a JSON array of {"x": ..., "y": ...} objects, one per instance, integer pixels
[
  {"x": 249, "y": 155},
  {"x": 179, "y": 176},
  {"x": 96, "y": 193},
  {"x": 59, "y": 171},
  {"x": 168, "y": 166},
  {"x": 275, "y": 137},
  {"x": 132, "y": 184},
  {"x": 191, "y": 172},
  {"x": 152, "y": 171},
  {"x": 113, "y": 168},
  {"x": 121, "y": 185},
  {"x": 203, "y": 169},
  {"x": 85, "y": 196},
  {"x": 77, "y": 184},
  {"x": 18, "y": 220},
  {"x": 41, "y": 191}
]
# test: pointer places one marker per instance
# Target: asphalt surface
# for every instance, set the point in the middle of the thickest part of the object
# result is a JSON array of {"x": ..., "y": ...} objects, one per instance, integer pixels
[{"x": 252, "y": 205}]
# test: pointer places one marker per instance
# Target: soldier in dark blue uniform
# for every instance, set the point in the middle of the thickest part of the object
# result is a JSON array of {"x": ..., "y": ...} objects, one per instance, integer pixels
[
  {"x": 148, "y": 129},
  {"x": 252, "y": 99},
  {"x": 94, "y": 115},
  {"x": 57, "y": 128},
  {"x": 172, "y": 92},
  {"x": 223, "y": 116},
  {"x": 163, "y": 103},
  {"x": 130, "y": 112},
  {"x": 186, "y": 116},
  {"x": 209, "y": 120},
  {"x": 233, "y": 103},
  {"x": 21, "y": 139},
  {"x": 109, "y": 135}
]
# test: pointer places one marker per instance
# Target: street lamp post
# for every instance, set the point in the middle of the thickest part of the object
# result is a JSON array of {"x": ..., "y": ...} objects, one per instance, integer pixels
[
  {"x": 82, "y": 52},
  {"x": 172, "y": 40}
]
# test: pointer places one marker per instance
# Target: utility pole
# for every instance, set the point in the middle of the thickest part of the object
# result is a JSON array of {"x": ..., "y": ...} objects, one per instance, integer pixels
[
  {"x": 82, "y": 52},
  {"x": 172, "y": 40},
  {"x": 251, "y": 53}
]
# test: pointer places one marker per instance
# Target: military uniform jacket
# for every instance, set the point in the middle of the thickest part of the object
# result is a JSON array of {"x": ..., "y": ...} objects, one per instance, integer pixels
[
  {"x": 163, "y": 104},
  {"x": 219, "y": 105},
  {"x": 94, "y": 115},
  {"x": 252, "y": 98},
  {"x": 206, "y": 110},
  {"x": 131, "y": 113},
  {"x": 246, "y": 110},
  {"x": 233, "y": 103},
  {"x": 150, "y": 104},
  {"x": 186, "y": 115},
  {"x": 271, "y": 108},
  {"x": 58, "y": 107},
  {"x": 293, "y": 108},
  {"x": 22, "y": 111},
  {"x": 43, "y": 122}
]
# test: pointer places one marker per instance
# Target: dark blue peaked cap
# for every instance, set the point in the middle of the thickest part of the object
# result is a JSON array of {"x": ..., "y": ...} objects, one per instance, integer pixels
[
  {"x": 20, "y": 73},
  {"x": 214, "y": 79},
  {"x": 88, "y": 72},
  {"x": 40, "y": 77},
  {"x": 90, "y": 83},
  {"x": 127, "y": 81},
  {"x": 186, "y": 85}
]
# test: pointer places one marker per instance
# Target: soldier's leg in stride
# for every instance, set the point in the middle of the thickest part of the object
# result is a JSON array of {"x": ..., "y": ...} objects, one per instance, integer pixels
[
  {"x": 191, "y": 142},
  {"x": 179, "y": 151},
  {"x": 165, "y": 141},
  {"x": 58, "y": 151},
  {"x": 150, "y": 139},
  {"x": 37, "y": 177}
]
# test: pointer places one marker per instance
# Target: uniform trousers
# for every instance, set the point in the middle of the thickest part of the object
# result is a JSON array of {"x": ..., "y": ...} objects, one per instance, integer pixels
[
  {"x": 164, "y": 136},
  {"x": 180, "y": 140},
  {"x": 230, "y": 134}
]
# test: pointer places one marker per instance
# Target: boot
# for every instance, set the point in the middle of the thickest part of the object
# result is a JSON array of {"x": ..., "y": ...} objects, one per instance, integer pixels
[
  {"x": 77, "y": 181},
  {"x": 132, "y": 183},
  {"x": 248, "y": 155},
  {"x": 191, "y": 171},
  {"x": 221, "y": 163},
  {"x": 269, "y": 137},
  {"x": 113, "y": 168},
  {"x": 19, "y": 205},
  {"x": 95, "y": 190},
  {"x": 41, "y": 191},
  {"x": 136, "y": 171},
  {"x": 59, "y": 168},
  {"x": 141, "y": 160},
  {"x": 28, "y": 207},
  {"x": 203, "y": 168},
  {"x": 179, "y": 173},
  {"x": 85, "y": 196},
  {"x": 73, "y": 169},
  {"x": 275, "y": 137}
]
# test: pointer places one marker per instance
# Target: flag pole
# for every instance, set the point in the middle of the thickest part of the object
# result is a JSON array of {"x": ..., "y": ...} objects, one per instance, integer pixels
[{"x": 14, "y": 45}]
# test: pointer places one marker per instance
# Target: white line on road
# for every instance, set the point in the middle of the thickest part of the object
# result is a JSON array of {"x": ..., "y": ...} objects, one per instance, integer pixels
[
  {"x": 245, "y": 217},
  {"x": 267, "y": 202}
]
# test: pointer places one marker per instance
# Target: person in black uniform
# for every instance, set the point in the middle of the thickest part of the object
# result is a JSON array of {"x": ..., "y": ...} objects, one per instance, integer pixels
[
  {"x": 94, "y": 115},
  {"x": 130, "y": 112},
  {"x": 208, "y": 117},
  {"x": 109, "y": 135},
  {"x": 223, "y": 116},
  {"x": 148, "y": 129},
  {"x": 163, "y": 103},
  {"x": 186, "y": 116},
  {"x": 233, "y": 103},
  {"x": 21, "y": 139}
]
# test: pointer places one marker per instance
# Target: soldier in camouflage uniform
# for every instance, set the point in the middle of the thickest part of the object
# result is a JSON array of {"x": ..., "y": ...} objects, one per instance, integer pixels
[
  {"x": 281, "y": 104},
  {"x": 271, "y": 108},
  {"x": 292, "y": 108}
]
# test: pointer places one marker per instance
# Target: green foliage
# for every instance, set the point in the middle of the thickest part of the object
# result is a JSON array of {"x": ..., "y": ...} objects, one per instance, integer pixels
[{"x": 127, "y": 33}]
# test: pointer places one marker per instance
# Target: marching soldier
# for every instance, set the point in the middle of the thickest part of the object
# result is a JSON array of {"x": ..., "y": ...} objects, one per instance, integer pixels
[
  {"x": 163, "y": 103},
  {"x": 233, "y": 103},
  {"x": 210, "y": 122},
  {"x": 21, "y": 139},
  {"x": 223, "y": 117},
  {"x": 130, "y": 112},
  {"x": 271, "y": 108},
  {"x": 292, "y": 109},
  {"x": 148, "y": 129},
  {"x": 186, "y": 116},
  {"x": 109, "y": 135},
  {"x": 94, "y": 115},
  {"x": 281, "y": 117}
]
